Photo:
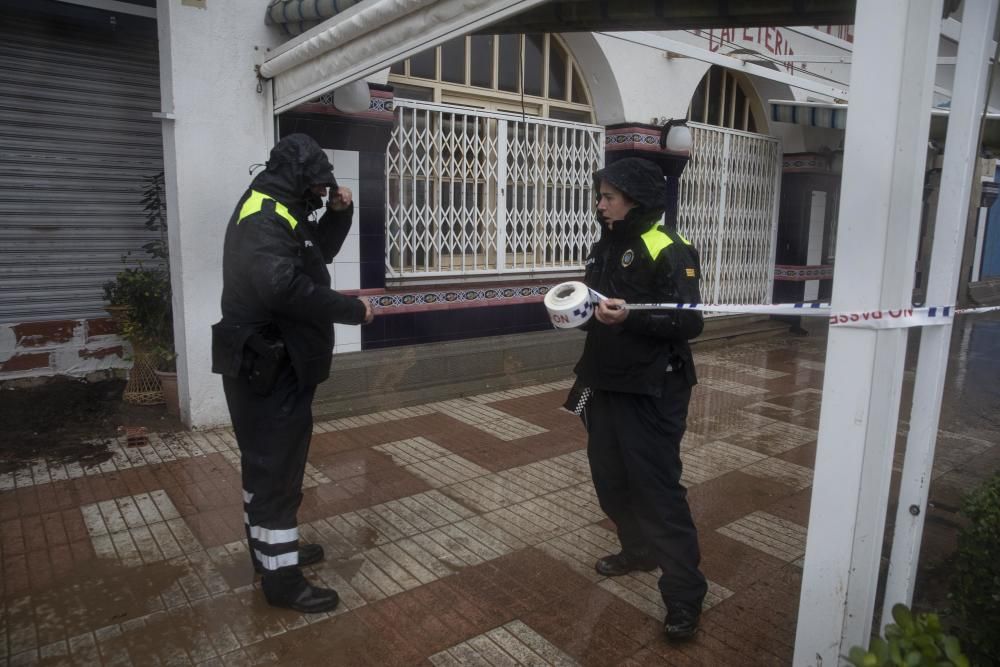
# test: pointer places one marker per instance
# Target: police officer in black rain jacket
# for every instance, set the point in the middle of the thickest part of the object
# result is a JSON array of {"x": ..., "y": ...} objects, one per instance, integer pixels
[
  {"x": 639, "y": 368},
  {"x": 275, "y": 344}
]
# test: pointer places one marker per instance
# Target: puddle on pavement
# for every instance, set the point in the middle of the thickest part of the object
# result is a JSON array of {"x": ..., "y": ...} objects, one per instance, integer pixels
[{"x": 101, "y": 593}]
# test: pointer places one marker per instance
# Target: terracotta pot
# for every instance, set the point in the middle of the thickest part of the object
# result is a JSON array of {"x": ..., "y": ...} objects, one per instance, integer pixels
[{"x": 168, "y": 382}]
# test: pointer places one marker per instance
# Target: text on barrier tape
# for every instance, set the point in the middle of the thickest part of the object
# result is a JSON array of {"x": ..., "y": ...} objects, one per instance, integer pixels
[{"x": 888, "y": 318}]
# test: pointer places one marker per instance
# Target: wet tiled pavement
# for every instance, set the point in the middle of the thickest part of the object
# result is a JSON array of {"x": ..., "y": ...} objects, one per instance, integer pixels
[{"x": 457, "y": 532}]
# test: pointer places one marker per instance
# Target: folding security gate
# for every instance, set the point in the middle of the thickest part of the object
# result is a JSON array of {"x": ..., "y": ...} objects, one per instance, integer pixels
[
  {"x": 478, "y": 193},
  {"x": 728, "y": 208},
  {"x": 77, "y": 136},
  {"x": 475, "y": 192}
]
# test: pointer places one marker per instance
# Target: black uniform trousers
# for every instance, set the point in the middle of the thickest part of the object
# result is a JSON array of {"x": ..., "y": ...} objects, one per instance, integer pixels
[
  {"x": 634, "y": 452},
  {"x": 273, "y": 433}
]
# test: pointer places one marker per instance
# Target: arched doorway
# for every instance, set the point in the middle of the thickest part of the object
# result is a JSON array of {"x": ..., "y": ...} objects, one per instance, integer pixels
[
  {"x": 728, "y": 198},
  {"x": 727, "y": 99}
]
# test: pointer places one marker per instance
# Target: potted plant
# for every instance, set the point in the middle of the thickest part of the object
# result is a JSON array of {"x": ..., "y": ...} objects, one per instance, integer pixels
[{"x": 140, "y": 299}]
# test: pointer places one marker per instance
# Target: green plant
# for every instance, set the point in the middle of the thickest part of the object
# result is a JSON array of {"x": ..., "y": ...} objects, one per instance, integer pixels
[
  {"x": 975, "y": 581},
  {"x": 912, "y": 641},
  {"x": 144, "y": 291},
  {"x": 148, "y": 318},
  {"x": 155, "y": 206}
]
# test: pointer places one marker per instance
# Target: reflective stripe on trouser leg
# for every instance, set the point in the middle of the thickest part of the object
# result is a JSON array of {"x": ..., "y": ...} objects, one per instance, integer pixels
[
  {"x": 273, "y": 548},
  {"x": 273, "y": 434}
]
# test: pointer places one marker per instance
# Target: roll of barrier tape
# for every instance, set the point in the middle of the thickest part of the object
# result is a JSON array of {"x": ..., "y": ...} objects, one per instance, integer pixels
[{"x": 569, "y": 304}]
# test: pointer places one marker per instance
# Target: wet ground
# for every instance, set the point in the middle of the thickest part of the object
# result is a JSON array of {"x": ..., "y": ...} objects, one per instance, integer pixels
[
  {"x": 461, "y": 531},
  {"x": 67, "y": 419}
]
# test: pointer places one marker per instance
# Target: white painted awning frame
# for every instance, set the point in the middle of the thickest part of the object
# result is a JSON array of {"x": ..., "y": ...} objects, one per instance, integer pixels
[{"x": 369, "y": 37}]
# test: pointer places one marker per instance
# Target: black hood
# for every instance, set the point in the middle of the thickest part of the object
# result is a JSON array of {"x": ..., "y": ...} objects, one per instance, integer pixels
[
  {"x": 640, "y": 180},
  {"x": 296, "y": 163}
]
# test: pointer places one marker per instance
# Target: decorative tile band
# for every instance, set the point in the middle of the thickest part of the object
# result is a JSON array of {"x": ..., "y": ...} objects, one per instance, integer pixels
[
  {"x": 380, "y": 108},
  {"x": 635, "y": 137},
  {"x": 800, "y": 273},
  {"x": 454, "y": 298}
]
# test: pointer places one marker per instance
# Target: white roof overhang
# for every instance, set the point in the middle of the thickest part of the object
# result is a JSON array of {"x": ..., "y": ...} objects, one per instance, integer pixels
[{"x": 369, "y": 37}]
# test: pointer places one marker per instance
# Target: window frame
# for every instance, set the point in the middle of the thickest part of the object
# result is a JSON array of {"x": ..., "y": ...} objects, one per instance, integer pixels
[
  {"x": 494, "y": 99},
  {"x": 750, "y": 118}
]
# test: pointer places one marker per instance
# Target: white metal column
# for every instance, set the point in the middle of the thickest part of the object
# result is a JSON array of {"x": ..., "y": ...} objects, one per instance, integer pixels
[
  {"x": 961, "y": 150},
  {"x": 814, "y": 245},
  {"x": 721, "y": 227},
  {"x": 501, "y": 214},
  {"x": 892, "y": 78}
]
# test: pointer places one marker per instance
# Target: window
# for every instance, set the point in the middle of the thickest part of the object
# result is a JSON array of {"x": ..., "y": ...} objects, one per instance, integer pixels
[
  {"x": 492, "y": 72},
  {"x": 499, "y": 180},
  {"x": 478, "y": 193},
  {"x": 723, "y": 98}
]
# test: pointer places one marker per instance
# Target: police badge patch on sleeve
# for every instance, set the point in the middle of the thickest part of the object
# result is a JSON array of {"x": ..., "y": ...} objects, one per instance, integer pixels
[{"x": 627, "y": 257}]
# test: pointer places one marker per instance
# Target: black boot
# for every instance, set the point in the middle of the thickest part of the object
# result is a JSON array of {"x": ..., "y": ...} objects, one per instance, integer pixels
[
  {"x": 309, "y": 600},
  {"x": 287, "y": 588},
  {"x": 681, "y": 622},
  {"x": 308, "y": 555},
  {"x": 622, "y": 563}
]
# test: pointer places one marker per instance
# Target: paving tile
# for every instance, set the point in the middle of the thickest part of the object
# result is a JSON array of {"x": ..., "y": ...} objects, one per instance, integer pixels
[
  {"x": 714, "y": 459},
  {"x": 765, "y": 532},
  {"x": 513, "y": 643},
  {"x": 784, "y": 472},
  {"x": 456, "y": 532}
]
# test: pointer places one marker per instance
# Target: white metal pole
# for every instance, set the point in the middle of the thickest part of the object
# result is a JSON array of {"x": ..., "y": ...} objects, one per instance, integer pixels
[
  {"x": 720, "y": 228},
  {"x": 780, "y": 151},
  {"x": 885, "y": 152},
  {"x": 501, "y": 203},
  {"x": 961, "y": 150},
  {"x": 977, "y": 258}
]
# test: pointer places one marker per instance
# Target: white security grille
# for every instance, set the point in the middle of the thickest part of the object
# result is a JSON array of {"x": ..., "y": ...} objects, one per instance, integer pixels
[
  {"x": 729, "y": 210},
  {"x": 477, "y": 193}
]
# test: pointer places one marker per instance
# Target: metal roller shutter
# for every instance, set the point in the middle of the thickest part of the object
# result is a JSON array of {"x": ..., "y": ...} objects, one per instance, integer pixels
[{"x": 76, "y": 139}]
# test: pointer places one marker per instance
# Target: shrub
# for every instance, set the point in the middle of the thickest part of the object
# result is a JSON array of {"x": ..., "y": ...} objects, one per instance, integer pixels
[
  {"x": 143, "y": 292},
  {"x": 911, "y": 642},
  {"x": 975, "y": 581},
  {"x": 148, "y": 318}
]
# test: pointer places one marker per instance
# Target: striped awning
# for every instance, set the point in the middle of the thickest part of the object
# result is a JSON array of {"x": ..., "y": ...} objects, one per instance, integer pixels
[
  {"x": 297, "y": 16},
  {"x": 812, "y": 114},
  {"x": 834, "y": 116}
]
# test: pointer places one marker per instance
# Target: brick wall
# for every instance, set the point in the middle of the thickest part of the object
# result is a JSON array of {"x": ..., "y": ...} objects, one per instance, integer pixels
[{"x": 61, "y": 347}]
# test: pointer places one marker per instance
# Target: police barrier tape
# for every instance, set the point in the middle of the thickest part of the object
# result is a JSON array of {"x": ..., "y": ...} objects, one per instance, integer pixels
[
  {"x": 575, "y": 306},
  {"x": 867, "y": 319}
]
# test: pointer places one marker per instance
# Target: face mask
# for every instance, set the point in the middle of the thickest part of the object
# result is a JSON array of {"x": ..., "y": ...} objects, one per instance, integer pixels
[{"x": 313, "y": 201}]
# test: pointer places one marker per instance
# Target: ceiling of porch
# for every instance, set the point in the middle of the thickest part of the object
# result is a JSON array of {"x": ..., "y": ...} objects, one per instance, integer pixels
[{"x": 297, "y": 16}]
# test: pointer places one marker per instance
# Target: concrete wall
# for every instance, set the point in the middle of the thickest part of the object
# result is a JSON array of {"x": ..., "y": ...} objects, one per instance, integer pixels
[
  {"x": 221, "y": 126},
  {"x": 630, "y": 83}
]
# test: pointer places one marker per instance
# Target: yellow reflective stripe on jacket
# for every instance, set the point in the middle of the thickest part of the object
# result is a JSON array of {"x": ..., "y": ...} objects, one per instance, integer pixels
[
  {"x": 656, "y": 240},
  {"x": 255, "y": 202}
]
